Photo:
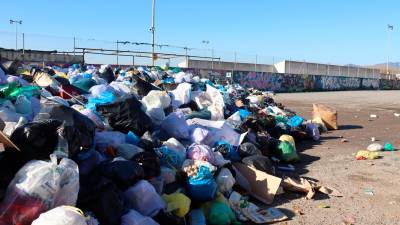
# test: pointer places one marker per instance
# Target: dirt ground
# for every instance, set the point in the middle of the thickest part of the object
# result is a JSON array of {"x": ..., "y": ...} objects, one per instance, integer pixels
[{"x": 370, "y": 187}]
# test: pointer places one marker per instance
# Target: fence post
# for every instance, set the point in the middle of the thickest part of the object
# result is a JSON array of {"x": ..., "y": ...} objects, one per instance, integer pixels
[{"x": 255, "y": 65}]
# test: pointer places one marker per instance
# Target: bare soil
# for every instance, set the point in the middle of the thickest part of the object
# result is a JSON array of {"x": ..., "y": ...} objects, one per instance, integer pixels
[{"x": 370, "y": 187}]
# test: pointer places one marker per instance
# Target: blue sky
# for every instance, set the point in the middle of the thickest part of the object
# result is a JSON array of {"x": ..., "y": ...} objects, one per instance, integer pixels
[{"x": 331, "y": 31}]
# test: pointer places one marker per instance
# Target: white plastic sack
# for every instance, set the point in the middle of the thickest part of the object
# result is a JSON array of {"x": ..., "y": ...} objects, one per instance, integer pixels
[
  {"x": 175, "y": 125},
  {"x": 199, "y": 134},
  {"x": 144, "y": 198},
  {"x": 157, "y": 115},
  {"x": 225, "y": 181},
  {"x": 157, "y": 99},
  {"x": 235, "y": 117},
  {"x": 62, "y": 215},
  {"x": 120, "y": 88},
  {"x": 94, "y": 118},
  {"x": 219, "y": 131},
  {"x": 217, "y": 106},
  {"x": 54, "y": 184},
  {"x": 201, "y": 98},
  {"x": 374, "y": 147},
  {"x": 181, "y": 95},
  {"x": 135, "y": 218},
  {"x": 97, "y": 90}
]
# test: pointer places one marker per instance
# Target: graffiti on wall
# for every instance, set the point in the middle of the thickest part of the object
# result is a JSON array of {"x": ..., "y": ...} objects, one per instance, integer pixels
[{"x": 294, "y": 82}]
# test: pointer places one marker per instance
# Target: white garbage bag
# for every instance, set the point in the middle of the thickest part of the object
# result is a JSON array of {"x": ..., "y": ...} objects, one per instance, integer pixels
[
  {"x": 144, "y": 198},
  {"x": 62, "y": 215},
  {"x": 181, "y": 95}
]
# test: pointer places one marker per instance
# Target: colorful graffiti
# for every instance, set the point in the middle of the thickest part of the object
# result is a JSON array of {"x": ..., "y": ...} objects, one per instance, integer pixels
[{"x": 296, "y": 83}]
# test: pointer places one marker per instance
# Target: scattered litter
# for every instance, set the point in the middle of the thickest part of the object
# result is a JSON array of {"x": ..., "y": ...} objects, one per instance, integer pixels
[
  {"x": 373, "y": 116},
  {"x": 388, "y": 147},
  {"x": 374, "y": 147},
  {"x": 298, "y": 211},
  {"x": 322, "y": 206},
  {"x": 349, "y": 221},
  {"x": 373, "y": 139},
  {"x": 363, "y": 155},
  {"x": 397, "y": 114},
  {"x": 344, "y": 140},
  {"x": 369, "y": 191},
  {"x": 308, "y": 186}
]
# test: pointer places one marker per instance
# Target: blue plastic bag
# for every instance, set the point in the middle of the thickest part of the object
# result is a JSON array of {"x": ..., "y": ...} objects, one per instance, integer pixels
[
  {"x": 103, "y": 98},
  {"x": 202, "y": 187},
  {"x": 132, "y": 138},
  {"x": 169, "y": 158},
  {"x": 295, "y": 121},
  {"x": 243, "y": 114}
]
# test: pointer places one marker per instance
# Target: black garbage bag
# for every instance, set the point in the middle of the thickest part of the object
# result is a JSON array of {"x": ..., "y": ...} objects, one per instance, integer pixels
[
  {"x": 150, "y": 137},
  {"x": 143, "y": 87},
  {"x": 123, "y": 173},
  {"x": 102, "y": 197},
  {"x": 150, "y": 163},
  {"x": 260, "y": 163},
  {"x": 248, "y": 149},
  {"x": 167, "y": 218},
  {"x": 36, "y": 140},
  {"x": 126, "y": 115},
  {"x": 267, "y": 144},
  {"x": 76, "y": 128},
  {"x": 107, "y": 75},
  {"x": 266, "y": 122}
]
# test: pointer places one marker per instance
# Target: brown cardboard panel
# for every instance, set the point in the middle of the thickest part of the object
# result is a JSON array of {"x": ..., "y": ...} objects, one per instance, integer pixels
[
  {"x": 7, "y": 142},
  {"x": 263, "y": 186}
]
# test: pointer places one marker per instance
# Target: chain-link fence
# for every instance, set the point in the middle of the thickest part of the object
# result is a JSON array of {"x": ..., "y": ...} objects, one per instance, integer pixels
[{"x": 134, "y": 52}]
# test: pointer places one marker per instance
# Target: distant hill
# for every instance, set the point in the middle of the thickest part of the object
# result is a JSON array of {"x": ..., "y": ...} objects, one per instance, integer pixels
[{"x": 394, "y": 67}]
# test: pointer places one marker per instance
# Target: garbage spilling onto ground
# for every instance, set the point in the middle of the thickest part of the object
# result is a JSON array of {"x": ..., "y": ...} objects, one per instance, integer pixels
[{"x": 87, "y": 145}]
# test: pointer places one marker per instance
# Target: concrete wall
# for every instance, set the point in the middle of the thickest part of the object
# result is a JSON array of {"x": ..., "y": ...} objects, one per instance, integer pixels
[
  {"x": 40, "y": 57},
  {"x": 296, "y": 67},
  {"x": 218, "y": 65},
  {"x": 279, "y": 82}
]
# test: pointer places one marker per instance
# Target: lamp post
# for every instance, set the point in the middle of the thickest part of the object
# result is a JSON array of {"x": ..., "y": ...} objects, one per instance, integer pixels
[
  {"x": 389, "y": 29},
  {"x": 212, "y": 53},
  {"x": 16, "y": 22},
  {"x": 152, "y": 29}
]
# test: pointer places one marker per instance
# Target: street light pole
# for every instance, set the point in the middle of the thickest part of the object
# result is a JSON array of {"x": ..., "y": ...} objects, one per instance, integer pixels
[
  {"x": 16, "y": 31},
  {"x": 153, "y": 31},
  {"x": 390, "y": 28}
]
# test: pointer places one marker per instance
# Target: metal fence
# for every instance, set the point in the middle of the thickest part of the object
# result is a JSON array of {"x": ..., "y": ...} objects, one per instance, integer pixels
[{"x": 134, "y": 52}]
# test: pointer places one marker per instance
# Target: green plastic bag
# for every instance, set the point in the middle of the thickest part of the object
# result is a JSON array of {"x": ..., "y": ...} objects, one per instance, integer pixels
[
  {"x": 287, "y": 152},
  {"x": 221, "y": 214},
  {"x": 11, "y": 91}
]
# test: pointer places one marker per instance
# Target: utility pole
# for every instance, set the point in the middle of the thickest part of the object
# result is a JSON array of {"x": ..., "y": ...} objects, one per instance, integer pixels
[
  {"x": 16, "y": 22},
  {"x": 117, "y": 52},
  {"x": 389, "y": 29},
  {"x": 152, "y": 29}
]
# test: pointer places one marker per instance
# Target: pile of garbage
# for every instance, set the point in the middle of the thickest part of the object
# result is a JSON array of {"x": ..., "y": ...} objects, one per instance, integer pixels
[{"x": 86, "y": 145}]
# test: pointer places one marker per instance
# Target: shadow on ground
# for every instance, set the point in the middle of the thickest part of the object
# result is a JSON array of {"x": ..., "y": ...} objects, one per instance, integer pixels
[{"x": 349, "y": 127}]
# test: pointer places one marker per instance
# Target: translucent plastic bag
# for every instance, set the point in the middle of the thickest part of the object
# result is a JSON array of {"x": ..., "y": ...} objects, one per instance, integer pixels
[
  {"x": 62, "y": 215},
  {"x": 135, "y": 218},
  {"x": 175, "y": 125},
  {"x": 144, "y": 198},
  {"x": 38, "y": 187},
  {"x": 174, "y": 144},
  {"x": 225, "y": 181}
]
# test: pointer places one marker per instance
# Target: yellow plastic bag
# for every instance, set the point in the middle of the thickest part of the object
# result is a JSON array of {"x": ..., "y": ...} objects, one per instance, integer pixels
[
  {"x": 289, "y": 139},
  {"x": 177, "y": 203},
  {"x": 363, "y": 154}
]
